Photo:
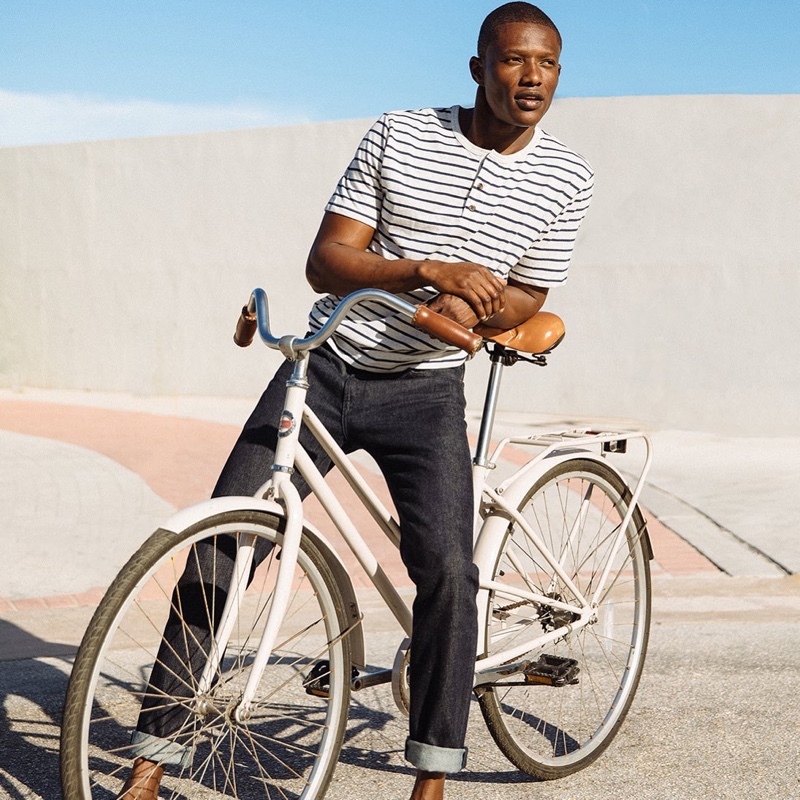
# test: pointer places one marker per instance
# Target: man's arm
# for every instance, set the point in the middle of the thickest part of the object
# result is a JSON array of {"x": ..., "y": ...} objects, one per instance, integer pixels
[
  {"x": 522, "y": 301},
  {"x": 339, "y": 263}
]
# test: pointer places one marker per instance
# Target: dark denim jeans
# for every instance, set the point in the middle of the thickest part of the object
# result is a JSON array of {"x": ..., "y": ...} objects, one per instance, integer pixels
[{"x": 413, "y": 425}]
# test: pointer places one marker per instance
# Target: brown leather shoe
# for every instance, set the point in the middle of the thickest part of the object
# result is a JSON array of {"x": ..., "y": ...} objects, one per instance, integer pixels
[{"x": 143, "y": 782}]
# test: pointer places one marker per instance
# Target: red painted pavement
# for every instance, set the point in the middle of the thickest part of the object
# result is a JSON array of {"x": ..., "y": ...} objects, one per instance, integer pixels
[{"x": 179, "y": 459}]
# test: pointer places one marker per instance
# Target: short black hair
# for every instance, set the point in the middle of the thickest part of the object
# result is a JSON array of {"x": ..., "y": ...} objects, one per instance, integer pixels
[{"x": 511, "y": 12}]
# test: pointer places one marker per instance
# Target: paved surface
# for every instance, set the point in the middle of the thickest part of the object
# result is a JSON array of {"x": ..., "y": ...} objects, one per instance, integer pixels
[{"x": 84, "y": 478}]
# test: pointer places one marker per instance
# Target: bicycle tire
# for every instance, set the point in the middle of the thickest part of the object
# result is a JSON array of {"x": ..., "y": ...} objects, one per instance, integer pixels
[
  {"x": 550, "y": 731},
  {"x": 290, "y": 745}
]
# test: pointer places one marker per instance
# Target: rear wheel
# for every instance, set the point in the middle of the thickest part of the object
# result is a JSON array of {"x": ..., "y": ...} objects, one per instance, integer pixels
[
  {"x": 549, "y": 731},
  {"x": 289, "y": 745}
]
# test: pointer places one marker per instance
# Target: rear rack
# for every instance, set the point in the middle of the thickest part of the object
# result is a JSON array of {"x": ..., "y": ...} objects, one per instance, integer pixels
[{"x": 573, "y": 441}]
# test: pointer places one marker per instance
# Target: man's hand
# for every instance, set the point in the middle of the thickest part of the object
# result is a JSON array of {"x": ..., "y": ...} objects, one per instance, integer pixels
[
  {"x": 452, "y": 307},
  {"x": 521, "y": 303},
  {"x": 473, "y": 283}
]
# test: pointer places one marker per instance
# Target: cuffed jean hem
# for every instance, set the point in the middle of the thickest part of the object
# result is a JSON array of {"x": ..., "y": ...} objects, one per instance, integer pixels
[
  {"x": 159, "y": 751},
  {"x": 430, "y": 758}
]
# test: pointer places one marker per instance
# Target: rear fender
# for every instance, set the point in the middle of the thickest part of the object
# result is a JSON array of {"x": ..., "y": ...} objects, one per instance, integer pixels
[{"x": 514, "y": 490}]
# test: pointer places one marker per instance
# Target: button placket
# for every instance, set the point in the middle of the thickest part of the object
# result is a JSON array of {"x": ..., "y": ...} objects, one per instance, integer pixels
[{"x": 474, "y": 201}]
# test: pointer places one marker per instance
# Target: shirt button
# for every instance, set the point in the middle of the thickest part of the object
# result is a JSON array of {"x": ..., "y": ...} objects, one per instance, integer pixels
[
  {"x": 480, "y": 184},
  {"x": 471, "y": 206}
]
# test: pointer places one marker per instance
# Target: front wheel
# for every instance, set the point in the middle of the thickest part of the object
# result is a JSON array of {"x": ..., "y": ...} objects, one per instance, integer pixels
[
  {"x": 577, "y": 509},
  {"x": 128, "y": 671}
]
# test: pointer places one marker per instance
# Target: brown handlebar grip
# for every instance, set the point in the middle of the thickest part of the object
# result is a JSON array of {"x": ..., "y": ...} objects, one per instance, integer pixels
[
  {"x": 245, "y": 328},
  {"x": 447, "y": 330}
]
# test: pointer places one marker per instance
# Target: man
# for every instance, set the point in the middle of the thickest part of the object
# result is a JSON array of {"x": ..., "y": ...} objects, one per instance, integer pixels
[{"x": 474, "y": 212}]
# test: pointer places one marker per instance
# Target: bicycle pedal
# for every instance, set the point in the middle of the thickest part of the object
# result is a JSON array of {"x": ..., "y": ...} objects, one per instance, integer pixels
[
  {"x": 550, "y": 670},
  {"x": 318, "y": 681}
]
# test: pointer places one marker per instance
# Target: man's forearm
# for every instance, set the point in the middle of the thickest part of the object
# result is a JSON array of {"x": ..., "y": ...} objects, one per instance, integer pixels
[
  {"x": 520, "y": 305},
  {"x": 339, "y": 269},
  {"x": 340, "y": 263}
]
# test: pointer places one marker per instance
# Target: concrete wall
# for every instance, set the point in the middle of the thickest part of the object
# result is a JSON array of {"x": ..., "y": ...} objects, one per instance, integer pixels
[{"x": 123, "y": 263}]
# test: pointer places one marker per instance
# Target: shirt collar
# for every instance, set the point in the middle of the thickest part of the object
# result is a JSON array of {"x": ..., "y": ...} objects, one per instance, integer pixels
[{"x": 493, "y": 154}]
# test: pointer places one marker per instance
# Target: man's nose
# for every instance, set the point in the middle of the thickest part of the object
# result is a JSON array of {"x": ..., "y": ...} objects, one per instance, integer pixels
[{"x": 531, "y": 75}]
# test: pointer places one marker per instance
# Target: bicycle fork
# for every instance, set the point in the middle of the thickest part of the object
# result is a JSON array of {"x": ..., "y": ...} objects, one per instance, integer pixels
[{"x": 280, "y": 487}]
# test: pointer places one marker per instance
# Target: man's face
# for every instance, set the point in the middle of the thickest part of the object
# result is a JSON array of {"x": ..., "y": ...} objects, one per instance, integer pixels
[{"x": 519, "y": 72}]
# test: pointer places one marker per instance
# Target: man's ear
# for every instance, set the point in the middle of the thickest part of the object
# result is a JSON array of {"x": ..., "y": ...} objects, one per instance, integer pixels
[{"x": 476, "y": 70}]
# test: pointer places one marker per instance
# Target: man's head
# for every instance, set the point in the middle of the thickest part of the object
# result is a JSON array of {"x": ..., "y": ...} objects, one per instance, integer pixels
[
  {"x": 512, "y": 12},
  {"x": 517, "y": 66}
]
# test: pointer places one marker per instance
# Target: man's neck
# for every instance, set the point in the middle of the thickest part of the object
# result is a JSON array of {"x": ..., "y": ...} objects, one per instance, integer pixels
[{"x": 483, "y": 130}]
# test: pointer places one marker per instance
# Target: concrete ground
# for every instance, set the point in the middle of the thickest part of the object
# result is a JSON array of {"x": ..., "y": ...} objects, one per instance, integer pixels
[{"x": 84, "y": 478}]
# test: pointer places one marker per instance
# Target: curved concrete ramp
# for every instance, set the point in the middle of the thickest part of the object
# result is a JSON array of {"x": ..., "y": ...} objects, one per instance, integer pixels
[{"x": 70, "y": 517}]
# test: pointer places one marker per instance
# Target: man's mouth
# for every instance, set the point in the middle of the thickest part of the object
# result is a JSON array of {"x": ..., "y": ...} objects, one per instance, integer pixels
[{"x": 529, "y": 101}]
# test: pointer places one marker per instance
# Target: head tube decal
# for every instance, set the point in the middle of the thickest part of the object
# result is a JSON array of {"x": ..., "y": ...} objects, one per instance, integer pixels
[{"x": 286, "y": 425}]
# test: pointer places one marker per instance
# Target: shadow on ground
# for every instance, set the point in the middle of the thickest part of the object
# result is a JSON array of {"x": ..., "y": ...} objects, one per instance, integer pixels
[{"x": 31, "y": 698}]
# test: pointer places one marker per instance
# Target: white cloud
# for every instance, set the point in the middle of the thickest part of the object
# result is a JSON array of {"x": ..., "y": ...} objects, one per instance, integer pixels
[{"x": 56, "y": 118}]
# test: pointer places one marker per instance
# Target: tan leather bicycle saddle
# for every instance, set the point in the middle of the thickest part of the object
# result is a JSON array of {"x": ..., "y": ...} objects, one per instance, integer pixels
[{"x": 539, "y": 334}]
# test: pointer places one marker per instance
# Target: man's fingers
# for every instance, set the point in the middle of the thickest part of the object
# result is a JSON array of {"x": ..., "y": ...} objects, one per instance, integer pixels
[
  {"x": 491, "y": 299},
  {"x": 455, "y": 308},
  {"x": 475, "y": 284},
  {"x": 498, "y": 300},
  {"x": 482, "y": 304}
]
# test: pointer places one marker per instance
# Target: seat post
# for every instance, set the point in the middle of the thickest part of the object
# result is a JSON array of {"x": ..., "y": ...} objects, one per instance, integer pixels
[{"x": 497, "y": 358}]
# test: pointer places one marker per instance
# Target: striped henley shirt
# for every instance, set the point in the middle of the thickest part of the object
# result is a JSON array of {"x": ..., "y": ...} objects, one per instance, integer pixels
[{"x": 430, "y": 193}]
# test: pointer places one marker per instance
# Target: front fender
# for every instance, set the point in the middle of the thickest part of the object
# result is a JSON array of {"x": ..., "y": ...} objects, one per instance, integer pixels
[{"x": 187, "y": 517}]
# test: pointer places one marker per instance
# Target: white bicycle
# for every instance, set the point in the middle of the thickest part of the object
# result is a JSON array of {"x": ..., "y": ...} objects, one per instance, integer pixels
[{"x": 564, "y": 605}]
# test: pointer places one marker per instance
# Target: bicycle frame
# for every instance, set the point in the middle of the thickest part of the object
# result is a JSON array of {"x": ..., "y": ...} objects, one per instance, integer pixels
[
  {"x": 259, "y": 602},
  {"x": 495, "y": 510}
]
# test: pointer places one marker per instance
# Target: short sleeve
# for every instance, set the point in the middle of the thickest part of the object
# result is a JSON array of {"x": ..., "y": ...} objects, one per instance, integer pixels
[
  {"x": 546, "y": 262},
  {"x": 359, "y": 193}
]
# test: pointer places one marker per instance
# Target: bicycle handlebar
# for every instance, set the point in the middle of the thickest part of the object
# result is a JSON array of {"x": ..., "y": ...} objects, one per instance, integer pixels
[
  {"x": 448, "y": 331},
  {"x": 246, "y": 327},
  {"x": 255, "y": 317}
]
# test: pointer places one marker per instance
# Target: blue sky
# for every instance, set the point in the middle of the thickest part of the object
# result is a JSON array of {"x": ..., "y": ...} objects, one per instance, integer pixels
[{"x": 72, "y": 70}]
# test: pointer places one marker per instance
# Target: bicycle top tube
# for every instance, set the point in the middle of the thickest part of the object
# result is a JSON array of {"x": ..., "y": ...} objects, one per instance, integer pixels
[{"x": 255, "y": 316}]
